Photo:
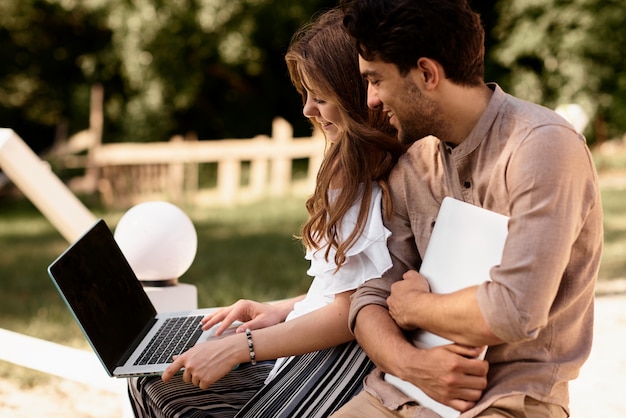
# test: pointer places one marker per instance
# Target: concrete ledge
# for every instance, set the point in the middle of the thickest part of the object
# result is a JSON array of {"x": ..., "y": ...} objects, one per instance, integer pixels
[{"x": 58, "y": 360}]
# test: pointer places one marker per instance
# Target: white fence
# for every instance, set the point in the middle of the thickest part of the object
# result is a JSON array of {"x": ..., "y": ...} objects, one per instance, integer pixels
[
  {"x": 244, "y": 169},
  {"x": 128, "y": 173},
  {"x": 35, "y": 179}
]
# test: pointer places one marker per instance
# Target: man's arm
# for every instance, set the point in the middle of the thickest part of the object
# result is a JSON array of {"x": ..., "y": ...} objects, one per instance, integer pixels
[
  {"x": 551, "y": 189},
  {"x": 455, "y": 316},
  {"x": 448, "y": 374},
  {"x": 373, "y": 326}
]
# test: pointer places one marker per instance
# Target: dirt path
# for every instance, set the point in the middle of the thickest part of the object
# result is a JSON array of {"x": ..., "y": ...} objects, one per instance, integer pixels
[
  {"x": 599, "y": 390},
  {"x": 60, "y": 399}
]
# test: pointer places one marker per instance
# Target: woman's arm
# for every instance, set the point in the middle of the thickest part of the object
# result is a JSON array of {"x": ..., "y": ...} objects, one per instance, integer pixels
[{"x": 325, "y": 327}]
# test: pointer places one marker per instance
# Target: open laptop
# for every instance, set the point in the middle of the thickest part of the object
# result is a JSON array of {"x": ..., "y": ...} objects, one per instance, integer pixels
[
  {"x": 466, "y": 242},
  {"x": 114, "y": 312}
]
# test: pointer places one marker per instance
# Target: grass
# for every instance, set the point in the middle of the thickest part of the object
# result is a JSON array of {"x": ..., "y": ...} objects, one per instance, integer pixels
[
  {"x": 613, "y": 264},
  {"x": 243, "y": 252}
]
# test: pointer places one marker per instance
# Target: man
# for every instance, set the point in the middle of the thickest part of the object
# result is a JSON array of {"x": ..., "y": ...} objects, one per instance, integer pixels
[{"x": 424, "y": 61}]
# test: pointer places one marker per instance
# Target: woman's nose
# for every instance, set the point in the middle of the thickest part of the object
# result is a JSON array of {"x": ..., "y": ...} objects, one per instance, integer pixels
[{"x": 310, "y": 108}]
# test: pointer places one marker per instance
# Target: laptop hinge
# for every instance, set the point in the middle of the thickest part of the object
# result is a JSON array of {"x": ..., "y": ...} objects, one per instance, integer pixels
[{"x": 129, "y": 352}]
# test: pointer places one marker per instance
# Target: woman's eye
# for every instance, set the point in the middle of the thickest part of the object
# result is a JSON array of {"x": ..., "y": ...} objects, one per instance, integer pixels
[{"x": 319, "y": 101}]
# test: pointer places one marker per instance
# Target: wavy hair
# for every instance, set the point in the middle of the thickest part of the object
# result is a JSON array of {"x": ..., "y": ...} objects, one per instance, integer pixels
[{"x": 323, "y": 54}]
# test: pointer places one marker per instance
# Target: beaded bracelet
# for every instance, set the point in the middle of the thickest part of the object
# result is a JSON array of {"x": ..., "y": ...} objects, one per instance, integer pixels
[{"x": 251, "y": 346}]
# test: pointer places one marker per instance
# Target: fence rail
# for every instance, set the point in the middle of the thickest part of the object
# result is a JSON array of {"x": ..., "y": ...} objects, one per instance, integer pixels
[{"x": 246, "y": 169}]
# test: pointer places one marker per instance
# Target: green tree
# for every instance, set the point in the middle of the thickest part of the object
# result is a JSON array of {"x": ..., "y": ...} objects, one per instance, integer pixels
[
  {"x": 216, "y": 66},
  {"x": 211, "y": 66},
  {"x": 45, "y": 46},
  {"x": 560, "y": 51}
]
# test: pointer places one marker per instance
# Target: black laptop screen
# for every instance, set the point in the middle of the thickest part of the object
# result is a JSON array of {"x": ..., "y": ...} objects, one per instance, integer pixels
[{"x": 103, "y": 293}]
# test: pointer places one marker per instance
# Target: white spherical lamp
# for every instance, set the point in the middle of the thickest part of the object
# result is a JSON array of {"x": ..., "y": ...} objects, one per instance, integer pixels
[{"x": 159, "y": 241}]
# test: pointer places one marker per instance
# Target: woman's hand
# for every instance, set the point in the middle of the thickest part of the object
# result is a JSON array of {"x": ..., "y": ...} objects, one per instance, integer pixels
[
  {"x": 254, "y": 315},
  {"x": 207, "y": 362}
]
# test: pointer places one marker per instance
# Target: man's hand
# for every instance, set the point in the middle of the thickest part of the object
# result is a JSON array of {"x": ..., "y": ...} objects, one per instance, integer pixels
[
  {"x": 402, "y": 298},
  {"x": 450, "y": 374},
  {"x": 254, "y": 315}
]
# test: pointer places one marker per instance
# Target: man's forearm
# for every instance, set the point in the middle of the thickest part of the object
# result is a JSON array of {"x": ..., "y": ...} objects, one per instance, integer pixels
[
  {"x": 449, "y": 374},
  {"x": 381, "y": 338},
  {"x": 454, "y": 316}
]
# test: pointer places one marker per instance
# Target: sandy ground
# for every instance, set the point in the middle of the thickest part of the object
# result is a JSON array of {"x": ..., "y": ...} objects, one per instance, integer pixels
[
  {"x": 61, "y": 398},
  {"x": 598, "y": 392}
]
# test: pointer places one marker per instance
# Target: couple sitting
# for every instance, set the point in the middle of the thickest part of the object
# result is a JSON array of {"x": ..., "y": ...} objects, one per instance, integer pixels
[{"x": 377, "y": 76}]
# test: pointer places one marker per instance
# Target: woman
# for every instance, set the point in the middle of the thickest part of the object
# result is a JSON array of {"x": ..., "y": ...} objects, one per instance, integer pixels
[{"x": 320, "y": 366}]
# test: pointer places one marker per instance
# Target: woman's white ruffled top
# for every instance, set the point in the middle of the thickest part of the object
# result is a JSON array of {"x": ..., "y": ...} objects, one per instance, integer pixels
[{"x": 367, "y": 259}]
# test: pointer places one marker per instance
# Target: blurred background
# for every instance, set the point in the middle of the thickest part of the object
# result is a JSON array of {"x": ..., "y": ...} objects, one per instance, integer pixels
[
  {"x": 215, "y": 67},
  {"x": 144, "y": 71}
]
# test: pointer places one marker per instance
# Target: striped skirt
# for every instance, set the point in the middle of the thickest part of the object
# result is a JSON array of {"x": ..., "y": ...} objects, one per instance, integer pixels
[{"x": 308, "y": 386}]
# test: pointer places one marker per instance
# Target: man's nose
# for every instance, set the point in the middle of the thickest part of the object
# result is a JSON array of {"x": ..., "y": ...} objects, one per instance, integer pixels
[{"x": 373, "y": 101}]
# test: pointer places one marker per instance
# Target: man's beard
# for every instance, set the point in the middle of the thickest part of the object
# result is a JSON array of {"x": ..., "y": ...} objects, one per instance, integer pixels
[{"x": 419, "y": 117}]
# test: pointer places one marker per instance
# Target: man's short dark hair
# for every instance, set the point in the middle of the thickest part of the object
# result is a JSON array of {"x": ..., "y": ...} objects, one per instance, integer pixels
[{"x": 402, "y": 31}]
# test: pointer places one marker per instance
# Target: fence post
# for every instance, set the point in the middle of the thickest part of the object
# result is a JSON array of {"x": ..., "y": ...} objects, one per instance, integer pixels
[
  {"x": 96, "y": 124},
  {"x": 315, "y": 161},
  {"x": 228, "y": 179},
  {"x": 258, "y": 171},
  {"x": 282, "y": 134},
  {"x": 176, "y": 175},
  {"x": 191, "y": 171}
]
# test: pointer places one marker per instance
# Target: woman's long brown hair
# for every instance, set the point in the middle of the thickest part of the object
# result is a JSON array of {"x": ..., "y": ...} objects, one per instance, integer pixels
[{"x": 324, "y": 55}]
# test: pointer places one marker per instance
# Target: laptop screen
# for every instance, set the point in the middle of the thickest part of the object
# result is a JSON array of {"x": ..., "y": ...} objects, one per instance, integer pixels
[{"x": 103, "y": 293}]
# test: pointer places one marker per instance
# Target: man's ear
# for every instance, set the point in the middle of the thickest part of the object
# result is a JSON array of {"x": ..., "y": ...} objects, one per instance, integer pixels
[{"x": 431, "y": 72}]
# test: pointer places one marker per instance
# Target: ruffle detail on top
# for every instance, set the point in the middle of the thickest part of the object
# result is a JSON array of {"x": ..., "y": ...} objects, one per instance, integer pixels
[{"x": 367, "y": 259}]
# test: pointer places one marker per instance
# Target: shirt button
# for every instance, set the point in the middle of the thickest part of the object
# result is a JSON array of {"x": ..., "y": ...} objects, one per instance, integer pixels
[{"x": 467, "y": 184}]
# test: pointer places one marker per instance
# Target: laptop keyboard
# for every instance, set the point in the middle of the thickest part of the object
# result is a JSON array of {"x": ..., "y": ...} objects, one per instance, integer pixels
[{"x": 175, "y": 336}]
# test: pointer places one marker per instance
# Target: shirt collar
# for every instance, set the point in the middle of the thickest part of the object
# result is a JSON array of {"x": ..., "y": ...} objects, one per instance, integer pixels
[{"x": 486, "y": 121}]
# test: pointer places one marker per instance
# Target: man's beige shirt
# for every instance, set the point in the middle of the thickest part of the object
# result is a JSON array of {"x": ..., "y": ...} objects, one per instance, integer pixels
[{"x": 524, "y": 161}]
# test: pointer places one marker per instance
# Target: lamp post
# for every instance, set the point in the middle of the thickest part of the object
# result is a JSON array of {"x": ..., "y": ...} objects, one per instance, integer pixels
[{"x": 160, "y": 242}]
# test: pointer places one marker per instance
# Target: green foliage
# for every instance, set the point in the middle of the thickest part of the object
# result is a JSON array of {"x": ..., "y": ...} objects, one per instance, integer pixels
[
  {"x": 567, "y": 52},
  {"x": 167, "y": 66},
  {"x": 44, "y": 45},
  {"x": 215, "y": 67}
]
